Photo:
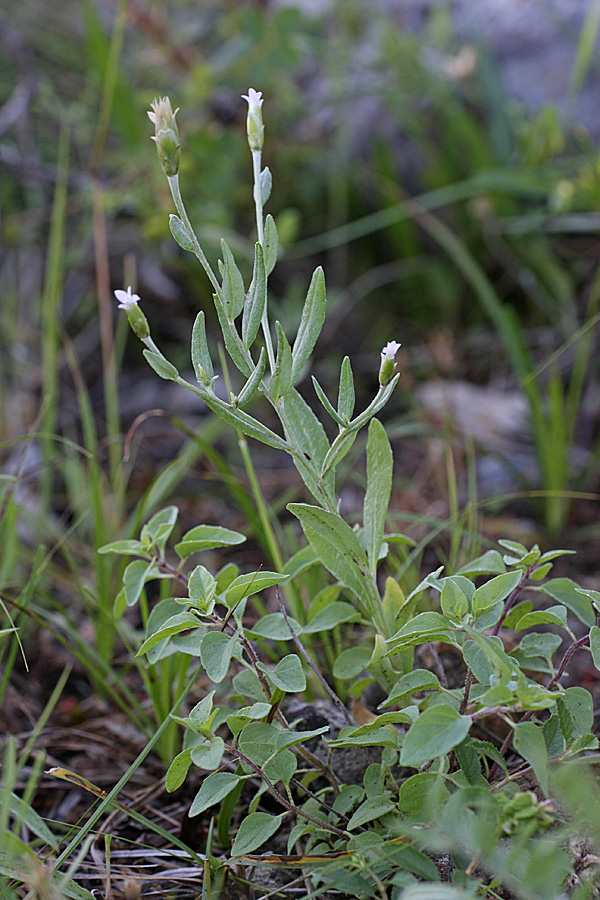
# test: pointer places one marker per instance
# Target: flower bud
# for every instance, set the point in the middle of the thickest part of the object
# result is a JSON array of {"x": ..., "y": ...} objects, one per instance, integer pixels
[
  {"x": 388, "y": 356},
  {"x": 166, "y": 134},
  {"x": 255, "y": 128},
  {"x": 137, "y": 319}
]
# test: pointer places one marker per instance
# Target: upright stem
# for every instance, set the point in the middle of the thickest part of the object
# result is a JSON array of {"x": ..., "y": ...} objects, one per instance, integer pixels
[
  {"x": 176, "y": 194},
  {"x": 260, "y": 230}
]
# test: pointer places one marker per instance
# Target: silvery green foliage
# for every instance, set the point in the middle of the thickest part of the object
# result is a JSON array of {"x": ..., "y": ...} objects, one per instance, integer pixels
[{"x": 437, "y": 761}]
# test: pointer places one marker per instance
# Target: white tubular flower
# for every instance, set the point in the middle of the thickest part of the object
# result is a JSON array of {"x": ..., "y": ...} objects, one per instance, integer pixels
[
  {"x": 126, "y": 299},
  {"x": 388, "y": 356},
  {"x": 255, "y": 128},
  {"x": 137, "y": 319}
]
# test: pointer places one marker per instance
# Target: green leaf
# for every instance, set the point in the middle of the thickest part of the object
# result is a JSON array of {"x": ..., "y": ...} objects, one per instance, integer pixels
[
  {"x": 233, "y": 294},
  {"x": 266, "y": 183},
  {"x": 180, "y": 233},
  {"x": 201, "y": 360},
  {"x": 254, "y": 831},
  {"x": 411, "y": 683},
  {"x": 453, "y": 600},
  {"x": 239, "y": 419},
  {"x": 202, "y": 589},
  {"x": 135, "y": 548},
  {"x": 435, "y": 733},
  {"x": 252, "y": 583},
  {"x": 207, "y": 537},
  {"x": 556, "y": 615},
  {"x": 255, "y": 300},
  {"x": 216, "y": 650},
  {"x": 161, "y": 365},
  {"x": 209, "y": 755},
  {"x": 285, "y": 739},
  {"x": 352, "y": 662},
  {"x": 328, "y": 407},
  {"x": 271, "y": 243},
  {"x": 468, "y": 759},
  {"x": 329, "y": 617},
  {"x": 275, "y": 628},
  {"x": 346, "y": 397},
  {"x": 282, "y": 767},
  {"x": 568, "y": 593},
  {"x": 373, "y": 808},
  {"x": 416, "y": 793},
  {"x": 580, "y": 704},
  {"x": 368, "y": 736},
  {"x": 529, "y": 743},
  {"x": 307, "y": 433},
  {"x": 177, "y": 771},
  {"x": 595, "y": 645},
  {"x": 288, "y": 675},
  {"x": 540, "y": 644},
  {"x": 339, "y": 550},
  {"x": 490, "y": 563},
  {"x": 175, "y": 625},
  {"x": 253, "y": 383},
  {"x": 494, "y": 591},
  {"x": 304, "y": 432},
  {"x": 213, "y": 790},
  {"x": 347, "y": 436},
  {"x": 282, "y": 377},
  {"x": 422, "y": 626},
  {"x": 157, "y": 530},
  {"x": 311, "y": 323},
  {"x": 233, "y": 342},
  {"x": 136, "y": 575},
  {"x": 380, "y": 464}
]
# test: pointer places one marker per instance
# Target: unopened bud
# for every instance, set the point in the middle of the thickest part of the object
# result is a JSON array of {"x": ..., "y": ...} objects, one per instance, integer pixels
[
  {"x": 137, "y": 319},
  {"x": 255, "y": 128},
  {"x": 388, "y": 357},
  {"x": 166, "y": 134}
]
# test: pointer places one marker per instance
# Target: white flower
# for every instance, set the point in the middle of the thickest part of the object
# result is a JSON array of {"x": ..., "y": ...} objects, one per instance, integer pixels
[
  {"x": 390, "y": 350},
  {"x": 255, "y": 101},
  {"x": 127, "y": 300},
  {"x": 255, "y": 128}
]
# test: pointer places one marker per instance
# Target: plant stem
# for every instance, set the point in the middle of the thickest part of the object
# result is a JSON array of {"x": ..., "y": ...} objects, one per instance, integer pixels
[{"x": 176, "y": 194}]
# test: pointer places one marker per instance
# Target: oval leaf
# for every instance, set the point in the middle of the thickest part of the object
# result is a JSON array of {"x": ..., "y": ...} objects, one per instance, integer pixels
[{"x": 436, "y": 732}]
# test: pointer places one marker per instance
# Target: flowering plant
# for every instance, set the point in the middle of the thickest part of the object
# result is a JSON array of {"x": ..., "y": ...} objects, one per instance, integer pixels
[{"x": 367, "y": 797}]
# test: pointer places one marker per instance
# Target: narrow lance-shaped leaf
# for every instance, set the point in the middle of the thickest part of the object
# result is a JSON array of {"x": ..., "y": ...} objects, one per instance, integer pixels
[
  {"x": 266, "y": 183},
  {"x": 380, "y": 463},
  {"x": 339, "y": 550},
  {"x": 255, "y": 299},
  {"x": 201, "y": 360},
  {"x": 271, "y": 244},
  {"x": 253, "y": 383},
  {"x": 327, "y": 405},
  {"x": 346, "y": 437},
  {"x": 282, "y": 378},
  {"x": 346, "y": 397},
  {"x": 233, "y": 294},
  {"x": 245, "y": 423},
  {"x": 180, "y": 233},
  {"x": 233, "y": 342},
  {"x": 304, "y": 432},
  {"x": 161, "y": 365},
  {"x": 311, "y": 323}
]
